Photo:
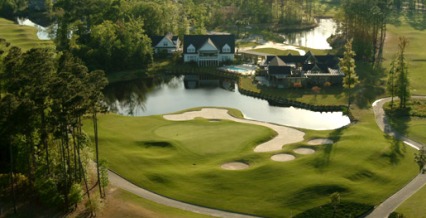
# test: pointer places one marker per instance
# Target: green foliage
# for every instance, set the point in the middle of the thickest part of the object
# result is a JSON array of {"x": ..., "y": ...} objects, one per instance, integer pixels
[
  {"x": 347, "y": 66},
  {"x": 103, "y": 167},
  {"x": 47, "y": 191},
  {"x": 47, "y": 93},
  {"x": 345, "y": 209},
  {"x": 76, "y": 194},
  {"x": 402, "y": 88}
]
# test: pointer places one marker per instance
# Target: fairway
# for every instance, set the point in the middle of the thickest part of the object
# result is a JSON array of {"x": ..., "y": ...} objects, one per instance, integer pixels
[{"x": 182, "y": 160}]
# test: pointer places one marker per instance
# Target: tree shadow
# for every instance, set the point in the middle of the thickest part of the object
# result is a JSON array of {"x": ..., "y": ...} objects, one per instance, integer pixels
[
  {"x": 323, "y": 161},
  {"x": 396, "y": 128},
  {"x": 397, "y": 150},
  {"x": 371, "y": 86},
  {"x": 416, "y": 19}
]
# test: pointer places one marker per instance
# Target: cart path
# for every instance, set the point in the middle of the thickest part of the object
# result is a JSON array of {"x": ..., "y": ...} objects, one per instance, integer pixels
[
  {"x": 393, "y": 202},
  {"x": 122, "y": 183}
]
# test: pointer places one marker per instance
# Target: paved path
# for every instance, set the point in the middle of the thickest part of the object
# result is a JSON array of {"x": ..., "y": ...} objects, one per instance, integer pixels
[
  {"x": 122, "y": 183},
  {"x": 392, "y": 203}
]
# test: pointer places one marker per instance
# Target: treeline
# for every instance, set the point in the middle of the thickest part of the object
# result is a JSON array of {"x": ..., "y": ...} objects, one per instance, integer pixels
[
  {"x": 44, "y": 152},
  {"x": 113, "y": 35},
  {"x": 365, "y": 22}
]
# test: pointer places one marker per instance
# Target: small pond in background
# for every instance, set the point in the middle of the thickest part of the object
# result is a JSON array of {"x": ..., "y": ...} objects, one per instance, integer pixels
[{"x": 315, "y": 38}]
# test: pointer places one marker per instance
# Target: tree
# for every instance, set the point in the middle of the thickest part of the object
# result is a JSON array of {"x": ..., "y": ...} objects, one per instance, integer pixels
[
  {"x": 347, "y": 65},
  {"x": 335, "y": 201},
  {"x": 391, "y": 85},
  {"x": 401, "y": 74},
  {"x": 420, "y": 158}
]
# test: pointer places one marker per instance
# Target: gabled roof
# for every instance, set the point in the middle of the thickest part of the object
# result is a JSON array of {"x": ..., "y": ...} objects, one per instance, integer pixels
[
  {"x": 208, "y": 46},
  {"x": 217, "y": 40},
  {"x": 157, "y": 39},
  {"x": 276, "y": 61}
]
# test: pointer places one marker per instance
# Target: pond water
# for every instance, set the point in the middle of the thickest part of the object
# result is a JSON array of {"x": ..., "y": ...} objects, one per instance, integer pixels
[
  {"x": 150, "y": 97},
  {"x": 315, "y": 38}
]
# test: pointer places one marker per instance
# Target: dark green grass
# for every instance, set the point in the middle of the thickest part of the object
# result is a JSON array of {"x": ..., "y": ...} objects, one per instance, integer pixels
[{"x": 182, "y": 160}]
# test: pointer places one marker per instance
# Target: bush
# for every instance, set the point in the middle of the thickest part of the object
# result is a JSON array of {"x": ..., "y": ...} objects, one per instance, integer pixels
[
  {"x": 48, "y": 193},
  {"x": 345, "y": 209}
]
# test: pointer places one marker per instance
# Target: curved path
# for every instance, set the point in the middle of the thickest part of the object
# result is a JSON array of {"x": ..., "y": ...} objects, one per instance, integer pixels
[
  {"x": 392, "y": 203},
  {"x": 122, "y": 183}
]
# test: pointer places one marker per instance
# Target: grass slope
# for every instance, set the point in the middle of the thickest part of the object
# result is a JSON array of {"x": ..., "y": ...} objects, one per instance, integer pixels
[
  {"x": 24, "y": 37},
  {"x": 414, "y": 207},
  {"x": 182, "y": 160}
]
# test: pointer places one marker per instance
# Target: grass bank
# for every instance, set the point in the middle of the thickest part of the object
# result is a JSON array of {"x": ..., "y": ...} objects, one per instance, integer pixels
[
  {"x": 182, "y": 160},
  {"x": 24, "y": 37}
]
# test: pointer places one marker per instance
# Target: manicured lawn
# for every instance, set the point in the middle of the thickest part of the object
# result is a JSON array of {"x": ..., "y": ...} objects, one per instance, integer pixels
[
  {"x": 121, "y": 203},
  {"x": 414, "y": 207},
  {"x": 182, "y": 160},
  {"x": 24, "y": 37},
  {"x": 274, "y": 51},
  {"x": 415, "y": 52}
]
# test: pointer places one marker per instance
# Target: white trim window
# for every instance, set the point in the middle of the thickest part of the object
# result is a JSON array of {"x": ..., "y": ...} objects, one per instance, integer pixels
[
  {"x": 190, "y": 49},
  {"x": 226, "y": 49}
]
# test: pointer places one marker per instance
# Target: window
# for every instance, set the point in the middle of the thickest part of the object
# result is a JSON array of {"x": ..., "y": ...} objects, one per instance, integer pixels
[
  {"x": 226, "y": 48},
  {"x": 191, "y": 49}
]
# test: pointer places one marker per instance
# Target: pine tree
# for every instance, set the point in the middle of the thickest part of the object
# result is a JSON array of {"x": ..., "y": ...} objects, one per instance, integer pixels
[
  {"x": 401, "y": 74},
  {"x": 347, "y": 66}
]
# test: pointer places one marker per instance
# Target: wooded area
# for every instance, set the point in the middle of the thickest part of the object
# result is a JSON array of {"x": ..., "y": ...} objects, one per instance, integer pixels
[{"x": 45, "y": 93}]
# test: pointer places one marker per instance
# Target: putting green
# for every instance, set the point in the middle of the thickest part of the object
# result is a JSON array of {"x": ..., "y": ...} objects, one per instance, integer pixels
[{"x": 182, "y": 160}]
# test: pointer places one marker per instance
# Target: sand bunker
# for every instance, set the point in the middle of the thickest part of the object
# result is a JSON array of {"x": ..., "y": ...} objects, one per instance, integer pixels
[
  {"x": 320, "y": 142},
  {"x": 285, "y": 135},
  {"x": 304, "y": 151},
  {"x": 235, "y": 166},
  {"x": 283, "y": 157}
]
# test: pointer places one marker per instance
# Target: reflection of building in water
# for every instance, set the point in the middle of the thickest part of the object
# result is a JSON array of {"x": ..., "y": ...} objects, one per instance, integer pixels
[{"x": 202, "y": 80}]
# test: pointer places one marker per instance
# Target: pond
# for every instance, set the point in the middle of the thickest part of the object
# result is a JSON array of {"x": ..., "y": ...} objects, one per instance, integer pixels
[
  {"x": 315, "y": 38},
  {"x": 155, "y": 96}
]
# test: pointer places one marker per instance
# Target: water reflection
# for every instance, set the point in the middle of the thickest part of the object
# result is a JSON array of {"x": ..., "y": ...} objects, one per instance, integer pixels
[
  {"x": 156, "y": 96},
  {"x": 315, "y": 38}
]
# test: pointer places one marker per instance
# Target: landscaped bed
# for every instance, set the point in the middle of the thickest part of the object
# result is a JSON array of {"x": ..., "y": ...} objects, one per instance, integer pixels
[{"x": 183, "y": 159}]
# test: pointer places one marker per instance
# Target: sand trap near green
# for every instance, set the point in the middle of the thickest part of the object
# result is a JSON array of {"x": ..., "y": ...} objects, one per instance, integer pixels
[{"x": 285, "y": 135}]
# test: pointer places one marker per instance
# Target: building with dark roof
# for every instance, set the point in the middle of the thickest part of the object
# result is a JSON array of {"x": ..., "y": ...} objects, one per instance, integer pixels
[
  {"x": 208, "y": 50},
  {"x": 306, "y": 70},
  {"x": 165, "y": 44}
]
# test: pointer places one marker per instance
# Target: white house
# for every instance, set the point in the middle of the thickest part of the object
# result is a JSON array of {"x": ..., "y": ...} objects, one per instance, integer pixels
[
  {"x": 208, "y": 50},
  {"x": 167, "y": 44}
]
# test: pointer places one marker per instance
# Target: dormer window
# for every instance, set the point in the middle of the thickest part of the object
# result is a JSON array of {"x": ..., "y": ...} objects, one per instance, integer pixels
[
  {"x": 191, "y": 49},
  {"x": 226, "y": 49}
]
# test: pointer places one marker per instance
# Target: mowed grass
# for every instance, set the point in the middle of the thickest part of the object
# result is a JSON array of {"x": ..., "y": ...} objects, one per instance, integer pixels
[
  {"x": 24, "y": 37},
  {"x": 414, "y": 207},
  {"x": 182, "y": 160},
  {"x": 415, "y": 52},
  {"x": 121, "y": 203}
]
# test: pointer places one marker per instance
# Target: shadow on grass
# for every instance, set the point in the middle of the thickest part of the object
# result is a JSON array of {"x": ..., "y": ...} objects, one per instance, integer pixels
[
  {"x": 398, "y": 120},
  {"x": 324, "y": 160},
  {"x": 416, "y": 19},
  {"x": 371, "y": 87}
]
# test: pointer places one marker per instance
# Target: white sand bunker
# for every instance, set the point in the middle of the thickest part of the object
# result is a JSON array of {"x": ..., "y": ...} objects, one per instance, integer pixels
[
  {"x": 283, "y": 157},
  {"x": 285, "y": 135},
  {"x": 320, "y": 142},
  {"x": 304, "y": 151},
  {"x": 235, "y": 166}
]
